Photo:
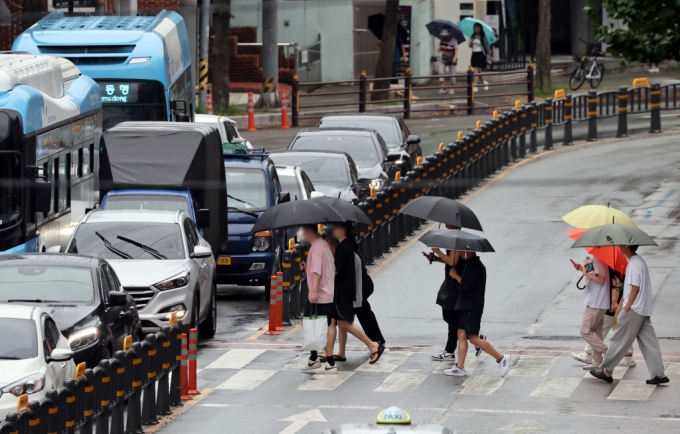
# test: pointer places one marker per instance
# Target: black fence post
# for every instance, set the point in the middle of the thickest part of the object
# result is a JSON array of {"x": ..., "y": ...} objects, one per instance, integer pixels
[
  {"x": 362, "y": 92},
  {"x": 592, "y": 116},
  {"x": 134, "y": 413},
  {"x": 470, "y": 91},
  {"x": 513, "y": 134},
  {"x": 533, "y": 123},
  {"x": 568, "y": 139},
  {"x": 104, "y": 388},
  {"x": 655, "y": 99},
  {"x": 548, "y": 143},
  {"x": 287, "y": 265},
  {"x": 149, "y": 392},
  {"x": 530, "y": 84},
  {"x": 295, "y": 301},
  {"x": 506, "y": 137},
  {"x": 163, "y": 396},
  {"x": 523, "y": 110},
  {"x": 407, "y": 95},
  {"x": 622, "y": 127},
  {"x": 295, "y": 101}
]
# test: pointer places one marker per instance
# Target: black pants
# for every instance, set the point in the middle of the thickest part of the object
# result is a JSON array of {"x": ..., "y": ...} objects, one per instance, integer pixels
[
  {"x": 368, "y": 322},
  {"x": 451, "y": 317}
]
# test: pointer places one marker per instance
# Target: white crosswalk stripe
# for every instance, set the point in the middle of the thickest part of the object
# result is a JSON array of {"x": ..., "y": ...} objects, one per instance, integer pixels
[
  {"x": 628, "y": 390},
  {"x": 325, "y": 382},
  {"x": 247, "y": 379},
  {"x": 235, "y": 359},
  {"x": 481, "y": 384},
  {"x": 401, "y": 382},
  {"x": 558, "y": 387},
  {"x": 618, "y": 374},
  {"x": 533, "y": 366},
  {"x": 388, "y": 362}
]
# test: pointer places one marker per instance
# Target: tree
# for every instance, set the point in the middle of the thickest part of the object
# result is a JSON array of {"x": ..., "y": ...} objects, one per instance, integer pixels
[
  {"x": 647, "y": 31},
  {"x": 383, "y": 68},
  {"x": 543, "y": 53},
  {"x": 220, "y": 53}
]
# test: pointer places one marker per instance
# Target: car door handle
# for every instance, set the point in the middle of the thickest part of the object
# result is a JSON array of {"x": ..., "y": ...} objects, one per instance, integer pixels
[{"x": 203, "y": 265}]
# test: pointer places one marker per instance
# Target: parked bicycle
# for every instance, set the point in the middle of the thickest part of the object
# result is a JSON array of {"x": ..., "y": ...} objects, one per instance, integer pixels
[{"x": 594, "y": 73}]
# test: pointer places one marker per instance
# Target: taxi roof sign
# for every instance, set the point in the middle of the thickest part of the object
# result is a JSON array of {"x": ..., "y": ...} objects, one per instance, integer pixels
[{"x": 394, "y": 415}]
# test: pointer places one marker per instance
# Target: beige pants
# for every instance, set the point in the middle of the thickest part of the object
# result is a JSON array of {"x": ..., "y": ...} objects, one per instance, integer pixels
[
  {"x": 591, "y": 330},
  {"x": 608, "y": 323}
]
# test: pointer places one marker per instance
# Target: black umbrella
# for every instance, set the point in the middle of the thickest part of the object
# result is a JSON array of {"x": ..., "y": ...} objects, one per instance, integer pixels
[
  {"x": 296, "y": 213},
  {"x": 437, "y": 26},
  {"x": 376, "y": 24},
  {"x": 456, "y": 240},
  {"x": 348, "y": 211},
  {"x": 442, "y": 210}
]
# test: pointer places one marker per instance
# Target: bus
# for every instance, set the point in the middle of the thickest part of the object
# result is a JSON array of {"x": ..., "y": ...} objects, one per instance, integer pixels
[
  {"x": 142, "y": 64},
  {"x": 50, "y": 126}
]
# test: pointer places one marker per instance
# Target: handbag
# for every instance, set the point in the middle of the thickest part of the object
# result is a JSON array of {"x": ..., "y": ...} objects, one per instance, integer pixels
[
  {"x": 316, "y": 330},
  {"x": 447, "y": 296}
]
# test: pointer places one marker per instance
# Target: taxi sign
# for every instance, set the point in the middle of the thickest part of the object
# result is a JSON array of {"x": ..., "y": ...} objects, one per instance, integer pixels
[{"x": 393, "y": 415}]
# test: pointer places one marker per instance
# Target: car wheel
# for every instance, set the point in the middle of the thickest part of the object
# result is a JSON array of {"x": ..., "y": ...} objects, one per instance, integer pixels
[{"x": 208, "y": 328}]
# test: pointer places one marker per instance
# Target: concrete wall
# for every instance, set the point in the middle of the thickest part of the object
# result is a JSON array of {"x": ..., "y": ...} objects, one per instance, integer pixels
[{"x": 450, "y": 10}]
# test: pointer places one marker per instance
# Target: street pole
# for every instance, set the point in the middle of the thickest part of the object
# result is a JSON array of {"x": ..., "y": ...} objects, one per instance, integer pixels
[
  {"x": 99, "y": 7},
  {"x": 270, "y": 53},
  {"x": 204, "y": 44}
]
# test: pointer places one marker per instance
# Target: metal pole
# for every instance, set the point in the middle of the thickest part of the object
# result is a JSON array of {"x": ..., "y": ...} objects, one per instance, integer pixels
[
  {"x": 270, "y": 52},
  {"x": 203, "y": 44}
]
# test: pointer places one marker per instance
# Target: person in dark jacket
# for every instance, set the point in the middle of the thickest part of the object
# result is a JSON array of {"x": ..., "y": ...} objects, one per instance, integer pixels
[{"x": 470, "y": 306}]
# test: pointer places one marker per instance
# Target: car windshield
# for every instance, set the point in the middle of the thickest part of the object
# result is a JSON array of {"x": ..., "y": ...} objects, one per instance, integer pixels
[
  {"x": 46, "y": 283},
  {"x": 387, "y": 128},
  {"x": 290, "y": 184},
  {"x": 18, "y": 340},
  {"x": 321, "y": 169},
  {"x": 147, "y": 201},
  {"x": 247, "y": 189},
  {"x": 361, "y": 148},
  {"x": 101, "y": 239}
]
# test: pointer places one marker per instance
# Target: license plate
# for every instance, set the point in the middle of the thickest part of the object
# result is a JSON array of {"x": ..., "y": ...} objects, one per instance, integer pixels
[{"x": 224, "y": 260}]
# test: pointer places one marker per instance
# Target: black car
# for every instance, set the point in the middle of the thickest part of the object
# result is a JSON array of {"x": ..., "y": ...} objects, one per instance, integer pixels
[
  {"x": 366, "y": 147},
  {"x": 81, "y": 293},
  {"x": 392, "y": 129},
  {"x": 333, "y": 173}
]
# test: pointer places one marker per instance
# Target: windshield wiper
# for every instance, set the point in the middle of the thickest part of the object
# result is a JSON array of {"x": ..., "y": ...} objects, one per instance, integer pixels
[
  {"x": 35, "y": 300},
  {"x": 9, "y": 358},
  {"x": 149, "y": 250},
  {"x": 250, "y": 213},
  {"x": 108, "y": 245},
  {"x": 241, "y": 200}
]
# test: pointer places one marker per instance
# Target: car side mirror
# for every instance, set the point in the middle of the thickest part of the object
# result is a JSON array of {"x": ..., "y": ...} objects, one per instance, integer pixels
[
  {"x": 60, "y": 355},
  {"x": 316, "y": 194},
  {"x": 203, "y": 218},
  {"x": 392, "y": 158},
  {"x": 238, "y": 141},
  {"x": 285, "y": 197},
  {"x": 363, "y": 179},
  {"x": 413, "y": 140},
  {"x": 117, "y": 299},
  {"x": 54, "y": 249},
  {"x": 201, "y": 252},
  {"x": 43, "y": 196}
]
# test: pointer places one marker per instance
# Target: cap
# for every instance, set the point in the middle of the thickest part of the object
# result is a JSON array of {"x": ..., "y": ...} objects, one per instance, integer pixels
[{"x": 445, "y": 33}]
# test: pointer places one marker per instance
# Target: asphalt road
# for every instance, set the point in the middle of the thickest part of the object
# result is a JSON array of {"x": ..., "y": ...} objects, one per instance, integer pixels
[{"x": 533, "y": 312}]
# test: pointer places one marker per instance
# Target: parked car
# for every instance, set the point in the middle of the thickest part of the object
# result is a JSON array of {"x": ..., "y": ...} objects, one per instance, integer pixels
[
  {"x": 392, "y": 129},
  {"x": 82, "y": 294},
  {"x": 332, "y": 173},
  {"x": 34, "y": 356},
  {"x": 227, "y": 128},
  {"x": 254, "y": 186},
  {"x": 296, "y": 182},
  {"x": 161, "y": 260},
  {"x": 366, "y": 147}
]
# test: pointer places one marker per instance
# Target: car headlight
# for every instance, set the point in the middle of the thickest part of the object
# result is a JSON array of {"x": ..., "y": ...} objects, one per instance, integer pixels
[
  {"x": 262, "y": 241},
  {"x": 178, "y": 281},
  {"x": 180, "y": 309},
  {"x": 29, "y": 385},
  {"x": 83, "y": 337},
  {"x": 377, "y": 183}
]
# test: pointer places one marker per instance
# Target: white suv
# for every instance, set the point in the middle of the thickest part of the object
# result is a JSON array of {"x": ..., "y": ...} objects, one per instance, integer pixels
[{"x": 161, "y": 260}]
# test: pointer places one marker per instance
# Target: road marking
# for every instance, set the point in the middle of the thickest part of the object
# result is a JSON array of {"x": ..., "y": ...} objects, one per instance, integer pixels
[
  {"x": 325, "y": 382},
  {"x": 618, "y": 373},
  {"x": 401, "y": 382},
  {"x": 471, "y": 363},
  {"x": 628, "y": 390},
  {"x": 556, "y": 387},
  {"x": 300, "y": 420},
  {"x": 258, "y": 333},
  {"x": 673, "y": 371},
  {"x": 178, "y": 411},
  {"x": 235, "y": 359},
  {"x": 533, "y": 327},
  {"x": 387, "y": 363},
  {"x": 525, "y": 426},
  {"x": 247, "y": 379},
  {"x": 296, "y": 363},
  {"x": 534, "y": 366},
  {"x": 482, "y": 384}
]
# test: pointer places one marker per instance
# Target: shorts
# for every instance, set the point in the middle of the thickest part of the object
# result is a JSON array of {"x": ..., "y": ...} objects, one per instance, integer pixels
[
  {"x": 322, "y": 309},
  {"x": 344, "y": 312},
  {"x": 470, "y": 322}
]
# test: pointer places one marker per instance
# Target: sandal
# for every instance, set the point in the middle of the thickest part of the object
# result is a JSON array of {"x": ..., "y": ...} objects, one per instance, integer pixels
[
  {"x": 335, "y": 357},
  {"x": 381, "y": 350}
]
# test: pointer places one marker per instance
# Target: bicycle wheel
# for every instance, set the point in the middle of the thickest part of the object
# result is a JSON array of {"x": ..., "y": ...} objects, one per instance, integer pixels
[
  {"x": 578, "y": 77},
  {"x": 595, "y": 82}
]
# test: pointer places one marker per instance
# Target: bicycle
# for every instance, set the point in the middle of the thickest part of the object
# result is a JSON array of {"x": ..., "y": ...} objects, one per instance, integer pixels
[{"x": 594, "y": 74}]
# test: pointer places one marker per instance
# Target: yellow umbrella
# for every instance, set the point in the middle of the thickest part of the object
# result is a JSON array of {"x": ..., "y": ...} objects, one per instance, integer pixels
[{"x": 589, "y": 216}]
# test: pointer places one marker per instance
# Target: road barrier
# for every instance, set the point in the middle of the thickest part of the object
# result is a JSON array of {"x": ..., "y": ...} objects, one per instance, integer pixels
[
  {"x": 284, "y": 110},
  {"x": 144, "y": 377},
  {"x": 251, "y": 112}
]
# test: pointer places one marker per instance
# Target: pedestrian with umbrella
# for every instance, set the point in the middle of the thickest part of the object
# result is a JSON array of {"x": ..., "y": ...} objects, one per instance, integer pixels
[
  {"x": 376, "y": 24},
  {"x": 481, "y": 37},
  {"x": 634, "y": 321},
  {"x": 450, "y": 36}
]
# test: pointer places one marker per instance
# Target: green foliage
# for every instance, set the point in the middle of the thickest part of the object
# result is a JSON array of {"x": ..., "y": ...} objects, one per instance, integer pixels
[
  {"x": 229, "y": 111},
  {"x": 651, "y": 31}
]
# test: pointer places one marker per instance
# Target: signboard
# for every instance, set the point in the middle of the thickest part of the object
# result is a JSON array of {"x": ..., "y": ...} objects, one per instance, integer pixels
[
  {"x": 119, "y": 92},
  {"x": 63, "y": 4},
  {"x": 405, "y": 20}
]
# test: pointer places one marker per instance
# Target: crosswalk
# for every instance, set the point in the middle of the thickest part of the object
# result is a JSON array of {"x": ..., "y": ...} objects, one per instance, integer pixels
[{"x": 406, "y": 372}]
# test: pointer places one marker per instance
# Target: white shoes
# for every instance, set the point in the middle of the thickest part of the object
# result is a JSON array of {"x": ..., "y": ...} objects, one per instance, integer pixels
[
  {"x": 326, "y": 369},
  {"x": 452, "y": 91},
  {"x": 455, "y": 372},
  {"x": 442, "y": 90},
  {"x": 476, "y": 89},
  {"x": 310, "y": 366},
  {"x": 505, "y": 364},
  {"x": 444, "y": 357},
  {"x": 486, "y": 85},
  {"x": 582, "y": 357}
]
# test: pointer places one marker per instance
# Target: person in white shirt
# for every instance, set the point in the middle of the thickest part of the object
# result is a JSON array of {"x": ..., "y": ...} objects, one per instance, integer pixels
[
  {"x": 596, "y": 299},
  {"x": 449, "y": 49},
  {"x": 634, "y": 322}
]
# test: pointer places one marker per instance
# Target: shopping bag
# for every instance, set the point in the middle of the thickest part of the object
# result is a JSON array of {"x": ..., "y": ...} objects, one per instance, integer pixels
[{"x": 316, "y": 330}]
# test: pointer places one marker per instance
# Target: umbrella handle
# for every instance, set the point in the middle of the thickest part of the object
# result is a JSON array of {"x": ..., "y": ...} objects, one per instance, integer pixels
[{"x": 579, "y": 281}]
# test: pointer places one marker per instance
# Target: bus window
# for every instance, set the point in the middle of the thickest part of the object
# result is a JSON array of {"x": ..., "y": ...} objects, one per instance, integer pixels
[
  {"x": 9, "y": 191},
  {"x": 64, "y": 199},
  {"x": 87, "y": 159},
  {"x": 131, "y": 101}
]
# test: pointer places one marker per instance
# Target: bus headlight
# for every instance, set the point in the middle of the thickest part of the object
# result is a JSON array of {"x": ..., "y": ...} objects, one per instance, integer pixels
[{"x": 138, "y": 60}]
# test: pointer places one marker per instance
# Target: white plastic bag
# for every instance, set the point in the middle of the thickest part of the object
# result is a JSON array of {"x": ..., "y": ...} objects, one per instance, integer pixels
[{"x": 316, "y": 331}]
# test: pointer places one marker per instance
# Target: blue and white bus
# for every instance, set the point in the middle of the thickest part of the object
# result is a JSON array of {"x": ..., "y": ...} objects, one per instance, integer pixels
[
  {"x": 50, "y": 125},
  {"x": 142, "y": 64}
]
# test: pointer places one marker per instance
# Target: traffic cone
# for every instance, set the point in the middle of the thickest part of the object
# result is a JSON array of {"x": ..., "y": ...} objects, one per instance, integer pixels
[
  {"x": 209, "y": 102},
  {"x": 273, "y": 292},
  {"x": 251, "y": 112},
  {"x": 284, "y": 110}
]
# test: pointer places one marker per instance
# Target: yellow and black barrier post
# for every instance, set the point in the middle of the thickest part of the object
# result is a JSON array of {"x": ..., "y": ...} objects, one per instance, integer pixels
[
  {"x": 134, "y": 414},
  {"x": 365, "y": 242},
  {"x": 118, "y": 377},
  {"x": 532, "y": 125},
  {"x": 592, "y": 116},
  {"x": 568, "y": 139},
  {"x": 548, "y": 143},
  {"x": 655, "y": 99},
  {"x": 287, "y": 268},
  {"x": 392, "y": 210},
  {"x": 163, "y": 376},
  {"x": 622, "y": 125},
  {"x": 295, "y": 304},
  {"x": 522, "y": 129},
  {"x": 149, "y": 386}
]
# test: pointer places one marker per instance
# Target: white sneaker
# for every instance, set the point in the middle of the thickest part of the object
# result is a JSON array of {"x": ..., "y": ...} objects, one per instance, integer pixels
[
  {"x": 326, "y": 369},
  {"x": 505, "y": 365},
  {"x": 444, "y": 356},
  {"x": 452, "y": 91},
  {"x": 442, "y": 90},
  {"x": 628, "y": 361},
  {"x": 486, "y": 87},
  {"x": 582, "y": 357},
  {"x": 455, "y": 372},
  {"x": 310, "y": 366},
  {"x": 476, "y": 89}
]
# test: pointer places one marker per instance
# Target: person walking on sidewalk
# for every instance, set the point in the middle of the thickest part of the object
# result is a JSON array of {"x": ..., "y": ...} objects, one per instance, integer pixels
[
  {"x": 320, "y": 270},
  {"x": 596, "y": 299},
  {"x": 449, "y": 49},
  {"x": 471, "y": 307},
  {"x": 447, "y": 297},
  {"x": 634, "y": 321},
  {"x": 481, "y": 51}
]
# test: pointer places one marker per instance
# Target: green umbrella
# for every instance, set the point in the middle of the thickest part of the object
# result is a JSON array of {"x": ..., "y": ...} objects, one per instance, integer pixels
[{"x": 613, "y": 235}]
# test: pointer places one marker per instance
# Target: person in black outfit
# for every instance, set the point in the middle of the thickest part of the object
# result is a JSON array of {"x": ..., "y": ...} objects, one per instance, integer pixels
[
  {"x": 470, "y": 306},
  {"x": 364, "y": 313},
  {"x": 447, "y": 298}
]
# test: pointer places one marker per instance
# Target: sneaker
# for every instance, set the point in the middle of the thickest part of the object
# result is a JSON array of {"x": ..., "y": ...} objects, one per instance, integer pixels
[
  {"x": 478, "y": 350},
  {"x": 476, "y": 89},
  {"x": 452, "y": 91},
  {"x": 486, "y": 87},
  {"x": 444, "y": 356},
  {"x": 442, "y": 90},
  {"x": 505, "y": 365},
  {"x": 326, "y": 369},
  {"x": 628, "y": 360},
  {"x": 582, "y": 357},
  {"x": 455, "y": 372},
  {"x": 311, "y": 365}
]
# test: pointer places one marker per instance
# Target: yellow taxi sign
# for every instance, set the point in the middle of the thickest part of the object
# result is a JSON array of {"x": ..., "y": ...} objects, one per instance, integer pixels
[
  {"x": 559, "y": 94},
  {"x": 393, "y": 416},
  {"x": 640, "y": 82}
]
